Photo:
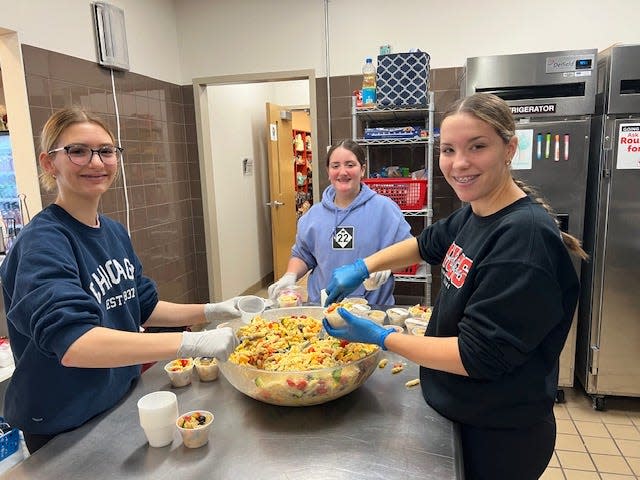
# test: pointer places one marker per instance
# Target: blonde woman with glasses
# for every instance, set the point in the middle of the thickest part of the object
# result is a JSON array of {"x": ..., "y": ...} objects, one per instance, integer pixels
[{"x": 76, "y": 297}]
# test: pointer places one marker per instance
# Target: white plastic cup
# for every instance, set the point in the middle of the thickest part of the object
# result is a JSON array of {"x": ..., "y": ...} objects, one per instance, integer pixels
[
  {"x": 323, "y": 297},
  {"x": 250, "y": 306},
  {"x": 161, "y": 436},
  {"x": 158, "y": 412}
]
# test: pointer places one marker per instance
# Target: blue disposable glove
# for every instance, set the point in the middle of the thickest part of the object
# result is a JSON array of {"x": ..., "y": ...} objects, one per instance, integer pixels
[
  {"x": 346, "y": 279},
  {"x": 358, "y": 329}
]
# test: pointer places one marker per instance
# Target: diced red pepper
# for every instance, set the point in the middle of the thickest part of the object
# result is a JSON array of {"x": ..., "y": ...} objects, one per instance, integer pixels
[{"x": 344, "y": 343}]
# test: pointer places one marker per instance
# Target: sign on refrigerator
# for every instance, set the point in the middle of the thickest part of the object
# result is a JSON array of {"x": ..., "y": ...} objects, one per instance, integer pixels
[{"x": 629, "y": 146}]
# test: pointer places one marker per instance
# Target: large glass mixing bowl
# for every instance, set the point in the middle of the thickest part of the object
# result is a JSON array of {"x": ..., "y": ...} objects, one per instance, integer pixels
[{"x": 299, "y": 388}]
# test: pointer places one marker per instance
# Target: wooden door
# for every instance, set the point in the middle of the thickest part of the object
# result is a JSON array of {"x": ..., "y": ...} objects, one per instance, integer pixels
[{"x": 282, "y": 190}]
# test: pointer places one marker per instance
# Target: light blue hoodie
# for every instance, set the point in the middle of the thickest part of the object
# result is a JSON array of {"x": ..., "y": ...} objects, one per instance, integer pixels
[{"x": 371, "y": 223}]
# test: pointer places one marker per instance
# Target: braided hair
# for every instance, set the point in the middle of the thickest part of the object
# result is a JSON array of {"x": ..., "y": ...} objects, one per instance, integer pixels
[{"x": 494, "y": 111}]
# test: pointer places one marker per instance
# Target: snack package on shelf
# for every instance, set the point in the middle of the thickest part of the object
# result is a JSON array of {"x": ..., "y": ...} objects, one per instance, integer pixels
[{"x": 379, "y": 133}]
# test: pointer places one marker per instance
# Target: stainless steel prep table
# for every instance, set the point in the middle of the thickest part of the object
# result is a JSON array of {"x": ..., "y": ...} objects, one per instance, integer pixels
[{"x": 381, "y": 430}]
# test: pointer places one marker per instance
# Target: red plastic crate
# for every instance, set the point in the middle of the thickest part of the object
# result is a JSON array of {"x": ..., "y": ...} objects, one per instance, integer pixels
[
  {"x": 410, "y": 270},
  {"x": 408, "y": 193}
]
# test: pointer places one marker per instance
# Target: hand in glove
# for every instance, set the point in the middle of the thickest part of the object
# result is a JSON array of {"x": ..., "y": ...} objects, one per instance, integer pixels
[
  {"x": 287, "y": 280},
  {"x": 345, "y": 280},
  {"x": 218, "y": 343},
  {"x": 223, "y": 310},
  {"x": 376, "y": 280},
  {"x": 358, "y": 329}
]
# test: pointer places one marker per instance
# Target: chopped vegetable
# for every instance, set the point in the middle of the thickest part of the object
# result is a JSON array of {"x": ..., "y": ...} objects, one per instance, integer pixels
[
  {"x": 383, "y": 363},
  {"x": 412, "y": 383}
]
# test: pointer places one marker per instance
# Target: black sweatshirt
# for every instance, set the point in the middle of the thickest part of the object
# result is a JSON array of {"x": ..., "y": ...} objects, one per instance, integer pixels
[{"x": 509, "y": 291}]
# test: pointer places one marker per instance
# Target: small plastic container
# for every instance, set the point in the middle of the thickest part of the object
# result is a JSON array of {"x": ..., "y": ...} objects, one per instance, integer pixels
[
  {"x": 334, "y": 318},
  {"x": 418, "y": 331},
  {"x": 194, "y": 429},
  {"x": 250, "y": 306},
  {"x": 420, "y": 312},
  {"x": 397, "y": 315},
  {"x": 180, "y": 371},
  {"x": 290, "y": 297},
  {"x": 356, "y": 300},
  {"x": 377, "y": 316},
  {"x": 207, "y": 368},
  {"x": 412, "y": 323}
]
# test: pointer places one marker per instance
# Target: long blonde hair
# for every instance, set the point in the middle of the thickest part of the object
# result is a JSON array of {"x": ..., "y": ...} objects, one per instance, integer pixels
[
  {"x": 55, "y": 126},
  {"x": 494, "y": 111}
]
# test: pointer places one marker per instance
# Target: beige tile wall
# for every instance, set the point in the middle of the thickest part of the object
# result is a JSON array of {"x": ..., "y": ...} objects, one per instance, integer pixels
[{"x": 161, "y": 161}]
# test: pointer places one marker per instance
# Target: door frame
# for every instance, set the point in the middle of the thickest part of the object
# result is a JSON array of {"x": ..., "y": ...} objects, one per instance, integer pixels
[
  {"x": 201, "y": 103},
  {"x": 17, "y": 103}
]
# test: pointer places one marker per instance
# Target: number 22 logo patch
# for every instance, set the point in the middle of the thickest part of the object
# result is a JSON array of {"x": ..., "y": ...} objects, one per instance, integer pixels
[{"x": 342, "y": 238}]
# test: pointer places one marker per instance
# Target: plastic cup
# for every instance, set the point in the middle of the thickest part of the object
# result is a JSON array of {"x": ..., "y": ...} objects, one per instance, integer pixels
[
  {"x": 207, "y": 368},
  {"x": 179, "y": 375},
  {"x": 377, "y": 316},
  {"x": 290, "y": 297},
  {"x": 161, "y": 436},
  {"x": 323, "y": 297},
  {"x": 198, "y": 436},
  {"x": 397, "y": 315},
  {"x": 157, "y": 412},
  {"x": 250, "y": 306}
]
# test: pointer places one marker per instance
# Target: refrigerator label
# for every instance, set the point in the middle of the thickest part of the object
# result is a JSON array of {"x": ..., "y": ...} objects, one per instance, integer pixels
[
  {"x": 628, "y": 156},
  {"x": 543, "y": 108}
]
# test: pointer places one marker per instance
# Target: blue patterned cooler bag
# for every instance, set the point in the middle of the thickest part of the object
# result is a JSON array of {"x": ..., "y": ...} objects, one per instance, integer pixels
[{"x": 402, "y": 79}]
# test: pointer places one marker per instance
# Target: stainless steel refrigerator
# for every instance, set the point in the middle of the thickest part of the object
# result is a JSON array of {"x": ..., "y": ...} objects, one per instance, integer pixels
[
  {"x": 608, "y": 345},
  {"x": 552, "y": 96}
]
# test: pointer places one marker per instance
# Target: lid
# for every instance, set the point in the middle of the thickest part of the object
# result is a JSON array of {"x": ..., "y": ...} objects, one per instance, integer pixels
[{"x": 368, "y": 60}]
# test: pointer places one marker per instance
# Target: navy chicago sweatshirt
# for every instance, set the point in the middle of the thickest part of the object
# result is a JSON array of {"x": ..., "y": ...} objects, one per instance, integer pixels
[
  {"x": 509, "y": 291},
  {"x": 60, "y": 279}
]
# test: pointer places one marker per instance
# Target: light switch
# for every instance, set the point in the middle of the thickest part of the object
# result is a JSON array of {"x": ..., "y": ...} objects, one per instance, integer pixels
[{"x": 247, "y": 166}]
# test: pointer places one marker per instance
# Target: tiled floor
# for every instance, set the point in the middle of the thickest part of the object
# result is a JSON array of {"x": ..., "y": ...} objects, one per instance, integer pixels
[
  {"x": 592, "y": 445},
  {"x": 596, "y": 445}
]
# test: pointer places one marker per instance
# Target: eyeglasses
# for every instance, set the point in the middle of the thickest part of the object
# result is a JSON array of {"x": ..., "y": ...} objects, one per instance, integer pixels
[{"x": 81, "y": 155}]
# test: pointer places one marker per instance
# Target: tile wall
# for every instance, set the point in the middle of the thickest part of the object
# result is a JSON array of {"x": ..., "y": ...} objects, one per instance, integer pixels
[
  {"x": 444, "y": 82},
  {"x": 157, "y": 124}
]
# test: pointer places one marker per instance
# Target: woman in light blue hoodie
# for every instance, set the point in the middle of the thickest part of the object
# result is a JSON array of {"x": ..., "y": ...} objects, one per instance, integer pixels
[{"x": 351, "y": 222}]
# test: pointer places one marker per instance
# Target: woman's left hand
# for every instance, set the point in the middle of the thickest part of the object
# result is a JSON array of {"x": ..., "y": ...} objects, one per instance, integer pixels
[{"x": 358, "y": 329}]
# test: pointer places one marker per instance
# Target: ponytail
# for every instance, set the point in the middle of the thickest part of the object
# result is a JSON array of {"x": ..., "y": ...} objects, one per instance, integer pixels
[{"x": 571, "y": 242}]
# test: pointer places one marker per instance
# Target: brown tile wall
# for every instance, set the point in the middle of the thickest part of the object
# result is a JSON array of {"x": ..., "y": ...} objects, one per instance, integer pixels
[
  {"x": 444, "y": 82},
  {"x": 158, "y": 133}
]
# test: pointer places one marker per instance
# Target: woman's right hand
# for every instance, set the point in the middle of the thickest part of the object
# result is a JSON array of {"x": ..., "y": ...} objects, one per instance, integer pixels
[
  {"x": 218, "y": 343},
  {"x": 287, "y": 280},
  {"x": 358, "y": 329},
  {"x": 345, "y": 280}
]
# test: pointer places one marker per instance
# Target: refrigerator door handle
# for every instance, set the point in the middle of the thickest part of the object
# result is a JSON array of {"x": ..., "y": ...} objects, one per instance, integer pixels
[{"x": 601, "y": 243}]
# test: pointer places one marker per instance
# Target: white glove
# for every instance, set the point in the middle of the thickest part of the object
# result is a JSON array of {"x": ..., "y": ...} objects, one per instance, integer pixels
[
  {"x": 222, "y": 311},
  {"x": 218, "y": 343},
  {"x": 376, "y": 279},
  {"x": 287, "y": 280}
]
